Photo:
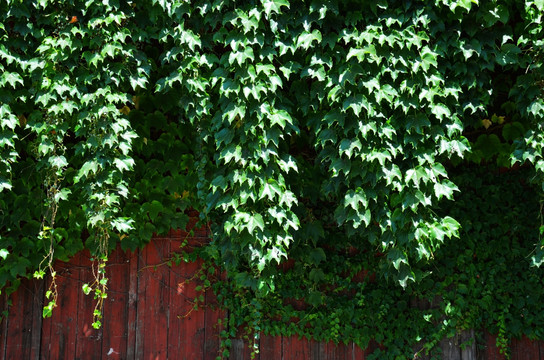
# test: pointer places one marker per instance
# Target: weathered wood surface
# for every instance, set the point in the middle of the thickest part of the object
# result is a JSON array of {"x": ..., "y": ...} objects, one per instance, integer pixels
[{"x": 149, "y": 315}]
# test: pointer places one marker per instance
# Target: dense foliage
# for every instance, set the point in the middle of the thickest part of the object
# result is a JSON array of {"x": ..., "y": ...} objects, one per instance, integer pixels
[{"x": 320, "y": 139}]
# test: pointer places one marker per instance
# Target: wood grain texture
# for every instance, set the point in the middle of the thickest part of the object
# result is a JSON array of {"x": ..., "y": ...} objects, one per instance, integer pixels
[
  {"x": 116, "y": 309},
  {"x": 133, "y": 260},
  {"x": 23, "y": 339},
  {"x": 59, "y": 338},
  {"x": 491, "y": 352},
  {"x": 525, "y": 349},
  {"x": 153, "y": 310},
  {"x": 89, "y": 339},
  {"x": 270, "y": 347},
  {"x": 295, "y": 348},
  {"x": 186, "y": 332}
]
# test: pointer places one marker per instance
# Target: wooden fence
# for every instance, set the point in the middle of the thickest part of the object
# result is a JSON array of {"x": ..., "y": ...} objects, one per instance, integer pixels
[{"x": 148, "y": 315}]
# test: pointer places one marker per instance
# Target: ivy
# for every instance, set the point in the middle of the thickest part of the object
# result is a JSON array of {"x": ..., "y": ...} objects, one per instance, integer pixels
[{"x": 319, "y": 139}]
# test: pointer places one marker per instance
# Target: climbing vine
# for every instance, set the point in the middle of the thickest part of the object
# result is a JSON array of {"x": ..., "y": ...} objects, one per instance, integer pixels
[{"x": 355, "y": 160}]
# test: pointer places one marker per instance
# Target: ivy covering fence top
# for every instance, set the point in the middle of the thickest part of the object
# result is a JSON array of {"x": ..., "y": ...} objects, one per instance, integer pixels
[{"x": 318, "y": 139}]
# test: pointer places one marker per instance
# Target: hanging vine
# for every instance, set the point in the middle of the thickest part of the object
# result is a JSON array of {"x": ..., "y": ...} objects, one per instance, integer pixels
[{"x": 335, "y": 147}]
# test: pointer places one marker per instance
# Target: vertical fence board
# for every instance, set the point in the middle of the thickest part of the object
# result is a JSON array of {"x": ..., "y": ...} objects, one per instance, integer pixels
[
  {"x": 212, "y": 314},
  {"x": 337, "y": 351},
  {"x": 187, "y": 325},
  {"x": 317, "y": 350},
  {"x": 115, "y": 331},
  {"x": 89, "y": 339},
  {"x": 525, "y": 349},
  {"x": 3, "y": 325},
  {"x": 59, "y": 338},
  {"x": 270, "y": 347},
  {"x": 295, "y": 348},
  {"x": 358, "y": 353},
  {"x": 37, "y": 318},
  {"x": 491, "y": 352},
  {"x": 23, "y": 337},
  {"x": 237, "y": 350},
  {"x": 132, "y": 304},
  {"x": 153, "y": 312},
  {"x": 468, "y": 350}
]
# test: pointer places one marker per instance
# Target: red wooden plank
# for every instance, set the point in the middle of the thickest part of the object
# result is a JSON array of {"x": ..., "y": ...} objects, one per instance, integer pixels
[
  {"x": 295, "y": 348},
  {"x": 3, "y": 325},
  {"x": 89, "y": 339},
  {"x": 115, "y": 324},
  {"x": 338, "y": 351},
  {"x": 270, "y": 347},
  {"x": 186, "y": 334},
  {"x": 37, "y": 319},
  {"x": 524, "y": 349},
  {"x": 59, "y": 331},
  {"x": 372, "y": 346},
  {"x": 491, "y": 352},
  {"x": 358, "y": 353},
  {"x": 153, "y": 310},
  {"x": 143, "y": 278},
  {"x": 212, "y": 330},
  {"x": 24, "y": 322},
  {"x": 132, "y": 304}
]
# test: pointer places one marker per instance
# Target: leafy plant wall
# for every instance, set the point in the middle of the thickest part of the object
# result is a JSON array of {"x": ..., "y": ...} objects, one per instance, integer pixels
[{"x": 321, "y": 140}]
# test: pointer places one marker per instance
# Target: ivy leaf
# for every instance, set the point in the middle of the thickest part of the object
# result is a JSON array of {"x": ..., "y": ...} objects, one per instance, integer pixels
[
  {"x": 306, "y": 38},
  {"x": 356, "y": 199},
  {"x": 255, "y": 221},
  {"x": 316, "y": 256},
  {"x": 11, "y": 78},
  {"x": 124, "y": 164},
  {"x": 62, "y": 194},
  {"x": 138, "y": 82},
  {"x": 271, "y": 6},
  {"x": 88, "y": 167},
  {"x": 4, "y": 184},
  {"x": 58, "y": 161},
  {"x": 441, "y": 111},
  {"x": 508, "y": 54},
  {"x": 446, "y": 189},
  {"x": 123, "y": 225}
]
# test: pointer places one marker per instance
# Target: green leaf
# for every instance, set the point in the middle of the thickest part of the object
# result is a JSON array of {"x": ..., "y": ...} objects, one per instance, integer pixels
[
  {"x": 124, "y": 164},
  {"x": 305, "y": 39},
  {"x": 356, "y": 199},
  {"x": 271, "y": 6},
  {"x": 445, "y": 189},
  {"x": 90, "y": 166},
  {"x": 11, "y": 78},
  {"x": 58, "y": 161},
  {"x": 255, "y": 221},
  {"x": 316, "y": 256},
  {"x": 441, "y": 111},
  {"x": 508, "y": 54},
  {"x": 62, "y": 194}
]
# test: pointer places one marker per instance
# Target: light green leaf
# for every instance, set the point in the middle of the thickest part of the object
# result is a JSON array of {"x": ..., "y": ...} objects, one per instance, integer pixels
[
  {"x": 445, "y": 189},
  {"x": 271, "y": 6},
  {"x": 305, "y": 39},
  {"x": 255, "y": 221}
]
